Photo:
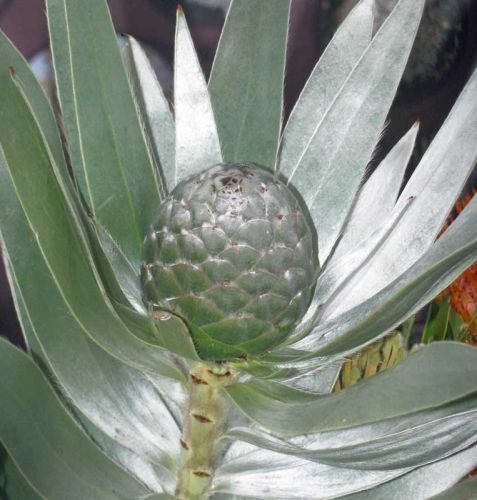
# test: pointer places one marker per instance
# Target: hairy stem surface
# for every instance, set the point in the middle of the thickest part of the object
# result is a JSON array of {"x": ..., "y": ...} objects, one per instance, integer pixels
[{"x": 203, "y": 425}]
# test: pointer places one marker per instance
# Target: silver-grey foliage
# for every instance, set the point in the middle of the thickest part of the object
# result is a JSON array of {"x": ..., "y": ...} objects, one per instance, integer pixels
[{"x": 110, "y": 401}]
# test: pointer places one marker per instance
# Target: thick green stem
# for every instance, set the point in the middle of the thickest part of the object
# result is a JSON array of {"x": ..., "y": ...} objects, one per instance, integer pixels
[{"x": 203, "y": 425}]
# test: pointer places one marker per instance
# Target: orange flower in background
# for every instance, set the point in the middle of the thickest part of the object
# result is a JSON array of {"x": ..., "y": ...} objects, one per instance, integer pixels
[
  {"x": 463, "y": 298},
  {"x": 462, "y": 292}
]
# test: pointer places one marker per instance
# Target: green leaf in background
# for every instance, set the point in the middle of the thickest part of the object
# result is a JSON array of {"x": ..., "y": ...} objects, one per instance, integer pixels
[
  {"x": 407, "y": 328},
  {"x": 457, "y": 326},
  {"x": 437, "y": 322},
  {"x": 45, "y": 443},
  {"x": 108, "y": 150},
  {"x": 197, "y": 143},
  {"x": 246, "y": 82}
]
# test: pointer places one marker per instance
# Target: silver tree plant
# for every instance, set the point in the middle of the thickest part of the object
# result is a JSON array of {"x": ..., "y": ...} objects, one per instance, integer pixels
[{"x": 189, "y": 278}]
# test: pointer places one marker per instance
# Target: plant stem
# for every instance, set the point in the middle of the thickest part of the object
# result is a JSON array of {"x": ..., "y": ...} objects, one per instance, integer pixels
[{"x": 203, "y": 425}]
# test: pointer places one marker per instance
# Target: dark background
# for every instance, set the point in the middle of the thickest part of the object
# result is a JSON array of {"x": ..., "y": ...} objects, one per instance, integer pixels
[{"x": 443, "y": 58}]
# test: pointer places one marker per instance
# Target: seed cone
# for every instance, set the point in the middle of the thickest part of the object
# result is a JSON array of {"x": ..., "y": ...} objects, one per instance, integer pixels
[
  {"x": 379, "y": 356},
  {"x": 231, "y": 252}
]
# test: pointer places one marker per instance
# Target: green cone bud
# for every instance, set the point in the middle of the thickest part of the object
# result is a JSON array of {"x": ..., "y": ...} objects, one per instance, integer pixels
[
  {"x": 379, "y": 356},
  {"x": 231, "y": 252}
]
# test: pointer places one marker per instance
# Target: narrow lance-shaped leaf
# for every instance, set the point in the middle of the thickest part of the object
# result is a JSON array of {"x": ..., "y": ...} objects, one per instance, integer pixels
[
  {"x": 371, "y": 222},
  {"x": 45, "y": 443},
  {"x": 115, "y": 272},
  {"x": 78, "y": 366},
  {"x": 248, "y": 470},
  {"x": 29, "y": 188},
  {"x": 343, "y": 142},
  {"x": 197, "y": 143},
  {"x": 378, "y": 196},
  {"x": 153, "y": 108},
  {"x": 109, "y": 259},
  {"x": 436, "y": 183},
  {"x": 410, "y": 447},
  {"x": 12, "y": 61},
  {"x": 153, "y": 476},
  {"x": 341, "y": 268},
  {"x": 246, "y": 83},
  {"x": 449, "y": 256},
  {"x": 445, "y": 372},
  {"x": 107, "y": 392},
  {"x": 324, "y": 83},
  {"x": 122, "y": 287},
  {"x": 423, "y": 483},
  {"x": 257, "y": 474},
  {"x": 108, "y": 150}
]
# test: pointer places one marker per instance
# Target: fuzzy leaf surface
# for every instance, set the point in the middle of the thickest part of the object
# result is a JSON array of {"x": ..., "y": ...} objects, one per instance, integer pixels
[
  {"x": 248, "y": 472},
  {"x": 12, "y": 60},
  {"x": 435, "y": 185},
  {"x": 47, "y": 446},
  {"x": 445, "y": 372},
  {"x": 324, "y": 84},
  {"x": 246, "y": 83},
  {"x": 449, "y": 256},
  {"x": 466, "y": 490},
  {"x": 109, "y": 154},
  {"x": 197, "y": 142},
  {"x": 378, "y": 196},
  {"x": 417, "y": 442},
  {"x": 154, "y": 476},
  {"x": 424, "y": 482},
  {"x": 37, "y": 218},
  {"x": 345, "y": 138},
  {"x": 153, "y": 108}
]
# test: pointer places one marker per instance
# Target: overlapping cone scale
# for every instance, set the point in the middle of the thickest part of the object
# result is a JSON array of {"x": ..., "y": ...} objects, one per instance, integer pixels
[{"x": 232, "y": 252}]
